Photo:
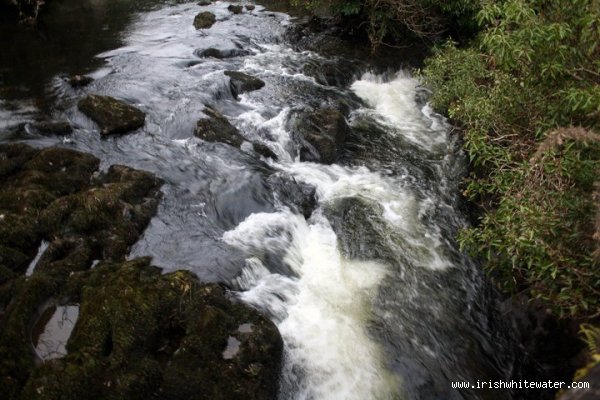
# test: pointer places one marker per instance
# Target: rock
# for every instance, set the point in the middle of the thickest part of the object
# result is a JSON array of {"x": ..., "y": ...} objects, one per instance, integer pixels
[
  {"x": 112, "y": 115},
  {"x": 54, "y": 127},
  {"x": 322, "y": 133},
  {"x": 264, "y": 150},
  {"x": 221, "y": 54},
  {"x": 250, "y": 7},
  {"x": 56, "y": 195},
  {"x": 592, "y": 393},
  {"x": 204, "y": 20},
  {"x": 241, "y": 83},
  {"x": 141, "y": 334},
  {"x": 357, "y": 225},
  {"x": 236, "y": 9},
  {"x": 331, "y": 73},
  {"x": 300, "y": 197},
  {"x": 77, "y": 81},
  {"x": 205, "y": 2},
  {"x": 216, "y": 128}
]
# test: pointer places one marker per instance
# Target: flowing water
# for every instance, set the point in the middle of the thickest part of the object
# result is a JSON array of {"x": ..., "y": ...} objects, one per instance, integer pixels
[{"x": 370, "y": 294}]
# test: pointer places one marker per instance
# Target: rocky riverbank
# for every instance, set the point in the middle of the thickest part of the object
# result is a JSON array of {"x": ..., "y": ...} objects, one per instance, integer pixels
[{"x": 65, "y": 230}]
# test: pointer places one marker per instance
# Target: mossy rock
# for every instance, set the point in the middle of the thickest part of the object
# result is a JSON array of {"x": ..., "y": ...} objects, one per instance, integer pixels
[
  {"x": 141, "y": 334},
  {"x": 236, "y": 9},
  {"x": 216, "y": 128},
  {"x": 54, "y": 195},
  {"x": 112, "y": 115},
  {"x": 204, "y": 20}
]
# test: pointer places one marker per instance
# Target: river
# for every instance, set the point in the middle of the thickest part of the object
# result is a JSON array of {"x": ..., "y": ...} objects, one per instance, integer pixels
[{"x": 371, "y": 295}]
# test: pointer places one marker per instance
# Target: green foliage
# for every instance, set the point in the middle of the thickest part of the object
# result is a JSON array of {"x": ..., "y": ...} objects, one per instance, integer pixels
[
  {"x": 591, "y": 337},
  {"x": 532, "y": 69},
  {"x": 388, "y": 21}
]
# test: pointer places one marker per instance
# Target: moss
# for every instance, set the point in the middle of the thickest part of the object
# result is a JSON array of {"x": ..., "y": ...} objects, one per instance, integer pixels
[
  {"x": 112, "y": 115},
  {"x": 142, "y": 334},
  {"x": 49, "y": 194}
]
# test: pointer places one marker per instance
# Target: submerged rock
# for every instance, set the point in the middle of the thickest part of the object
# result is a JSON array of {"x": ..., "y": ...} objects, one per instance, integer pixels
[
  {"x": 221, "y": 54},
  {"x": 204, "y": 20},
  {"x": 205, "y": 2},
  {"x": 236, "y": 9},
  {"x": 77, "y": 81},
  {"x": 216, "y": 128},
  {"x": 264, "y": 150},
  {"x": 321, "y": 132},
  {"x": 53, "y": 127},
  {"x": 241, "y": 83},
  {"x": 112, "y": 115}
]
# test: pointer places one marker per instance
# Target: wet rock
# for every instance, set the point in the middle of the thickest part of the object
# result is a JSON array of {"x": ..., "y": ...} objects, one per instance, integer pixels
[
  {"x": 204, "y": 20},
  {"x": 321, "y": 132},
  {"x": 141, "y": 334},
  {"x": 56, "y": 195},
  {"x": 236, "y": 9},
  {"x": 264, "y": 150},
  {"x": 250, "y": 7},
  {"x": 357, "y": 225},
  {"x": 300, "y": 197},
  {"x": 592, "y": 393},
  {"x": 205, "y": 2},
  {"x": 78, "y": 81},
  {"x": 53, "y": 127},
  {"x": 241, "y": 83},
  {"x": 112, "y": 115},
  {"x": 331, "y": 73},
  {"x": 216, "y": 128},
  {"x": 221, "y": 54}
]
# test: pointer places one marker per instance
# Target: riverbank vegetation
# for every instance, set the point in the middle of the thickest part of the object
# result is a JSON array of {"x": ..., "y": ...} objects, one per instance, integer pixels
[{"x": 520, "y": 79}]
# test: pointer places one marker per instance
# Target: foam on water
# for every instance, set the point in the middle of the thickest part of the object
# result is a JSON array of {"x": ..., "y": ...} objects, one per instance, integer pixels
[
  {"x": 396, "y": 102},
  {"x": 321, "y": 311}
]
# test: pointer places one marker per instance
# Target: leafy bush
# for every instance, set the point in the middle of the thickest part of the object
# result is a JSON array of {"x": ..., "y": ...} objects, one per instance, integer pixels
[
  {"x": 517, "y": 92},
  {"x": 387, "y": 21}
]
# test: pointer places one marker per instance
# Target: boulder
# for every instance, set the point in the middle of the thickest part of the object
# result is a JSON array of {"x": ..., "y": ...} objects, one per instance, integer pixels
[
  {"x": 300, "y": 197},
  {"x": 205, "y": 2},
  {"x": 321, "y": 133},
  {"x": 77, "y": 81},
  {"x": 112, "y": 115},
  {"x": 216, "y": 128},
  {"x": 250, "y": 7},
  {"x": 221, "y": 54},
  {"x": 204, "y": 20},
  {"x": 236, "y": 9},
  {"x": 240, "y": 83}
]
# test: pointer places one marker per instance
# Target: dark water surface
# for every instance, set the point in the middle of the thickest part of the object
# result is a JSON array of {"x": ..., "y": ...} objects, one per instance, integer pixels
[{"x": 370, "y": 294}]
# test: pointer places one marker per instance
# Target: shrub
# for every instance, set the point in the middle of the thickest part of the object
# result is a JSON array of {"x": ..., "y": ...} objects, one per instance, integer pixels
[{"x": 516, "y": 92}]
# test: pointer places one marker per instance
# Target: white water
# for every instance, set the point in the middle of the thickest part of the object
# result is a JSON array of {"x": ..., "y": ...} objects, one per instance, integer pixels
[
  {"x": 323, "y": 308},
  {"x": 41, "y": 250}
]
